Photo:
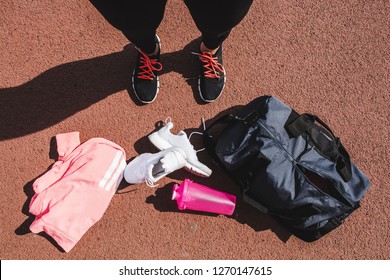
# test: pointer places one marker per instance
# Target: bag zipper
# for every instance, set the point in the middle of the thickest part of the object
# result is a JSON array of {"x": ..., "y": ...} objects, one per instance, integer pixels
[
  {"x": 295, "y": 163},
  {"x": 323, "y": 177}
]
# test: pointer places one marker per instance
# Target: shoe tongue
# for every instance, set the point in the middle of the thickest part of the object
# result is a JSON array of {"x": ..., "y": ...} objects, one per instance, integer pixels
[
  {"x": 169, "y": 125},
  {"x": 170, "y": 162},
  {"x": 169, "y": 165},
  {"x": 156, "y": 56},
  {"x": 182, "y": 133}
]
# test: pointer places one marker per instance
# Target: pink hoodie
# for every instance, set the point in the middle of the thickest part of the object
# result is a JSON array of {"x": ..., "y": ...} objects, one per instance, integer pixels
[{"x": 74, "y": 194}]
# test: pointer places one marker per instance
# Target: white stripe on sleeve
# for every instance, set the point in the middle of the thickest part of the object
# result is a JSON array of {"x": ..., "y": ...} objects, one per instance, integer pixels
[
  {"x": 117, "y": 174},
  {"x": 111, "y": 169}
]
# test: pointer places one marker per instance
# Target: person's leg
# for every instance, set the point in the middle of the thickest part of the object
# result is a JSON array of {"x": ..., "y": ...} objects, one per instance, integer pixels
[
  {"x": 215, "y": 19},
  {"x": 138, "y": 20}
]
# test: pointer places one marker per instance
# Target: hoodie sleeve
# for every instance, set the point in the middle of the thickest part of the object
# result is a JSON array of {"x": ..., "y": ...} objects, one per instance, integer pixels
[{"x": 66, "y": 143}]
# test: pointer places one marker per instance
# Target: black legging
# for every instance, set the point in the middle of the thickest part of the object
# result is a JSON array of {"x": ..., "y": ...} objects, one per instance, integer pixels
[{"x": 139, "y": 19}]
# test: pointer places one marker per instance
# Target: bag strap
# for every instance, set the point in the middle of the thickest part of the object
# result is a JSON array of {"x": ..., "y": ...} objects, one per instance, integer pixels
[
  {"x": 335, "y": 222},
  {"x": 209, "y": 141},
  {"x": 255, "y": 203},
  {"x": 303, "y": 122},
  {"x": 343, "y": 164}
]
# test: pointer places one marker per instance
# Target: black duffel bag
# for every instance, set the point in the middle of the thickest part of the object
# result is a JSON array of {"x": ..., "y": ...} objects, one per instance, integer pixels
[{"x": 288, "y": 165}]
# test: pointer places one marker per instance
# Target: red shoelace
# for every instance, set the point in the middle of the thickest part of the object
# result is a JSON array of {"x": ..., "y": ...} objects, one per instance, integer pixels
[
  {"x": 147, "y": 67},
  {"x": 212, "y": 67}
]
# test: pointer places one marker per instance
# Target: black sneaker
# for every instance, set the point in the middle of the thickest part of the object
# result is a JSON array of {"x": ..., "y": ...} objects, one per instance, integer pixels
[
  {"x": 212, "y": 76},
  {"x": 145, "y": 75}
]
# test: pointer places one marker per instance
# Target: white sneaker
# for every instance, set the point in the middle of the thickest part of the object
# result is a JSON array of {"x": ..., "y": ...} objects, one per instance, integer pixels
[
  {"x": 150, "y": 168},
  {"x": 164, "y": 139}
]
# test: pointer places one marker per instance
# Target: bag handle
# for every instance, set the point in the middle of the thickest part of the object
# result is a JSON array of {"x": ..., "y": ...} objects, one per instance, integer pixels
[
  {"x": 210, "y": 143},
  {"x": 303, "y": 122},
  {"x": 208, "y": 140},
  {"x": 343, "y": 164},
  {"x": 226, "y": 120}
]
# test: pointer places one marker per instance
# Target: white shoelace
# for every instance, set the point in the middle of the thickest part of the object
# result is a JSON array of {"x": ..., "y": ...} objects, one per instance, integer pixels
[
  {"x": 169, "y": 119},
  {"x": 199, "y": 133},
  {"x": 150, "y": 183},
  {"x": 147, "y": 180}
]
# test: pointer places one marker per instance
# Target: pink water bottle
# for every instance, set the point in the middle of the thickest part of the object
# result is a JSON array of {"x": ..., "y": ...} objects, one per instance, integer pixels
[{"x": 193, "y": 196}]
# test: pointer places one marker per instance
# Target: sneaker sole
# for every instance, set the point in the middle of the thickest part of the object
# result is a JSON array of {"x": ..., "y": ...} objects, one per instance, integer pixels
[
  {"x": 162, "y": 144},
  {"x": 209, "y": 101},
  {"x": 158, "y": 81}
]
